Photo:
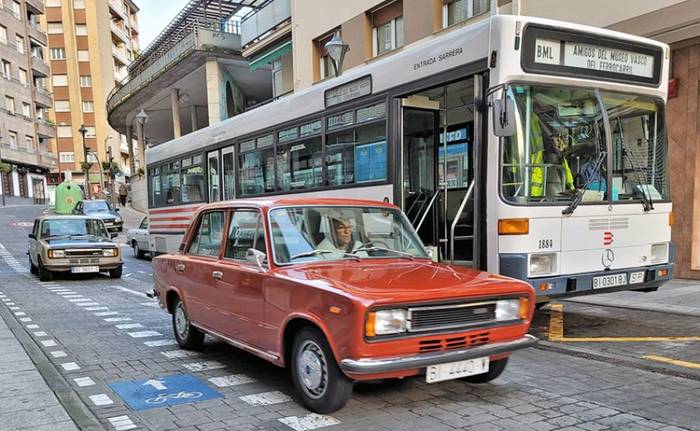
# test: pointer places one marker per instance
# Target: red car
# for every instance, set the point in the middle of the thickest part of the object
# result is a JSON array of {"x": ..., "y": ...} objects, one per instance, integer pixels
[{"x": 340, "y": 291}]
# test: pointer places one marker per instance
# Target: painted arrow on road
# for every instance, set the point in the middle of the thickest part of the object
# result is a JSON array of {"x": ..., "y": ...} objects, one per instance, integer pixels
[{"x": 157, "y": 384}]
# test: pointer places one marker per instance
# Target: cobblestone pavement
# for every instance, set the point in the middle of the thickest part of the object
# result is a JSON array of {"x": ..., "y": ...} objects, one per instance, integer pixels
[{"x": 95, "y": 332}]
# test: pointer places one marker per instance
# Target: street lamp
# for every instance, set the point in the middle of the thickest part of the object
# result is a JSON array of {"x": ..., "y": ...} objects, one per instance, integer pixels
[
  {"x": 83, "y": 130},
  {"x": 141, "y": 119},
  {"x": 337, "y": 48}
]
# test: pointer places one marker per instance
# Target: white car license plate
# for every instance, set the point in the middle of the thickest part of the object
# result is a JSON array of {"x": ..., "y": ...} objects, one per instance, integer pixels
[
  {"x": 455, "y": 370},
  {"x": 609, "y": 281},
  {"x": 84, "y": 269},
  {"x": 637, "y": 277}
]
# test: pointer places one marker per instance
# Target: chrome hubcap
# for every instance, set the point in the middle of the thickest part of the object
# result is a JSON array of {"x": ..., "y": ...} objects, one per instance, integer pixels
[
  {"x": 312, "y": 369},
  {"x": 182, "y": 325}
]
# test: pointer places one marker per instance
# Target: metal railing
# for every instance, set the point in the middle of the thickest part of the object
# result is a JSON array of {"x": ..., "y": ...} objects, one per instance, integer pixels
[
  {"x": 470, "y": 190},
  {"x": 264, "y": 20}
]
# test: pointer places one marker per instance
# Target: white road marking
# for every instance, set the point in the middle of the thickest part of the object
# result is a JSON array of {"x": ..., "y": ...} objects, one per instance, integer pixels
[
  {"x": 204, "y": 366},
  {"x": 88, "y": 304},
  {"x": 117, "y": 319},
  {"x": 106, "y": 313},
  {"x": 266, "y": 398},
  {"x": 70, "y": 366},
  {"x": 15, "y": 308},
  {"x": 66, "y": 294},
  {"x": 144, "y": 334},
  {"x": 40, "y": 334},
  {"x": 153, "y": 304},
  {"x": 231, "y": 380},
  {"x": 84, "y": 381},
  {"x": 101, "y": 400},
  {"x": 173, "y": 354},
  {"x": 58, "y": 354},
  {"x": 81, "y": 300},
  {"x": 71, "y": 295},
  {"x": 122, "y": 423},
  {"x": 20, "y": 313},
  {"x": 96, "y": 308},
  {"x": 311, "y": 421},
  {"x": 129, "y": 326},
  {"x": 25, "y": 319},
  {"x": 156, "y": 384},
  {"x": 133, "y": 292},
  {"x": 159, "y": 343},
  {"x": 32, "y": 326},
  {"x": 141, "y": 272}
]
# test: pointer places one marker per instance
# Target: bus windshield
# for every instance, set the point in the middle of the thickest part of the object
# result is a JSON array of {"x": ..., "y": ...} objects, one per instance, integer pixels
[{"x": 561, "y": 150}]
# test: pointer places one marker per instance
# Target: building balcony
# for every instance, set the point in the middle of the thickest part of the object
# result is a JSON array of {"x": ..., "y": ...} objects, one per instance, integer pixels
[
  {"x": 36, "y": 33},
  {"x": 42, "y": 97},
  {"x": 18, "y": 154},
  {"x": 205, "y": 39},
  {"x": 117, "y": 8},
  {"x": 45, "y": 129},
  {"x": 40, "y": 66},
  {"x": 121, "y": 33},
  {"x": 36, "y": 6},
  {"x": 120, "y": 55},
  {"x": 254, "y": 27},
  {"x": 47, "y": 160}
]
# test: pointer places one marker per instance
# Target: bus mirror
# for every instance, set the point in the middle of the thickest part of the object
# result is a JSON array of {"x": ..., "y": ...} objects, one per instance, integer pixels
[{"x": 504, "y": 117}]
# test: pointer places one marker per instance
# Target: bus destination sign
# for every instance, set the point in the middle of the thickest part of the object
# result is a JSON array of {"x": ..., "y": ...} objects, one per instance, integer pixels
[
  {"x": 592, "y": 57},
  {"x": 348, "y": 91}
]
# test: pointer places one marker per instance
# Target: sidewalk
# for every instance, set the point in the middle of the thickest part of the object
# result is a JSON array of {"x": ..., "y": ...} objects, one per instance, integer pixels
[
  {"x": 678, "y": 296},
  {"x": 26, "y": 401}
]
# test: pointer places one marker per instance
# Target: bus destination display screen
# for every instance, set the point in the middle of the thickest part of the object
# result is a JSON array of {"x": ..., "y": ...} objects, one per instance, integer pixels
[{"x": 562, "y": 53}]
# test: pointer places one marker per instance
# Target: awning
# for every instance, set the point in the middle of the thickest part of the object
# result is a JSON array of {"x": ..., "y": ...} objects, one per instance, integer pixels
[{"x": 271, "y": 55}]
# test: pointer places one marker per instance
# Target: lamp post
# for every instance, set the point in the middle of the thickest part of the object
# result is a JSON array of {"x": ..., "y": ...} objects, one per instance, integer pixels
[
  {"x": 337, "y": 48},
  {"x": 83, "y": 130},
  {"x": 141, "y": 120}
]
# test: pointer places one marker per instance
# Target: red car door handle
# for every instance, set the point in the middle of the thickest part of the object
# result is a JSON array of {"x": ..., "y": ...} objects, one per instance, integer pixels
[
  {"x": 217, "y": 275},
  {"x": 180, "y": 267}
]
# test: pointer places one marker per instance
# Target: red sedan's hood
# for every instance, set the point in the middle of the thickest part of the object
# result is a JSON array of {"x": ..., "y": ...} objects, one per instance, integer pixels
[{"x": 398, "y": 281}]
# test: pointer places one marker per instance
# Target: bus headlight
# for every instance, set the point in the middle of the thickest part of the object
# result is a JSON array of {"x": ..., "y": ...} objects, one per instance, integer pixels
[
  {"x": 385, "y": 322},
  {"x": 659, "y": 253},
  {"x": 542, "y": 264},
  {"x": 56, "y": 254}
]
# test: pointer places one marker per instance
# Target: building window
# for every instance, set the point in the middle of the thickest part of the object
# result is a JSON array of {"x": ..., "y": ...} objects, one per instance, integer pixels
[
  {"x": 83, "y": 55},
  {"x": 6, "y": 69},
  {"x": 26, "y": 109},
  {"x": 29, "y": 143},
  {"x": 19, "y": 40},
  {"x": 66, "y": 157},
  {"x": 81, "y": 30},
  {"x": 3, "y": 34},
  {"x": 61, "y": 106},
  {"x": 64, "y": 132},
  {"x": 387, "y": 28},
  {"x": 454, "y": 11},
  {"x": 52, "y": 3},
  {"x": 10, "y": 104},
  {"x": 54, "y": 28},
  {"x": 325, "y": 63},
  {"x": 57, "y": 54},
  {"x": 16, "y": 9},
  {"x": 85, "y": 81},
  {"x": 37, "y": 52},
  {"x": 59, "y": 80},
  {"x": 23, "y": 76},
  {"x": 88, "y": 106},
  {"x": 78, "y": 4},
  {"x": 90, "y": 132},
  {"x": 13, "y": 139}
]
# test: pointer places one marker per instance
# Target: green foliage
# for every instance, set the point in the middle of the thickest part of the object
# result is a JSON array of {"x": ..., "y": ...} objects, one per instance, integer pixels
[{"x": 5, "y": 168}]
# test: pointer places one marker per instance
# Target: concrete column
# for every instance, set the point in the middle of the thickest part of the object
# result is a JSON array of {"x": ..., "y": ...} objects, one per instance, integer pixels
[
  {"x": 193, "y": 117},
  {"x": 214, "y": 102},
  {"x": 142, "y": 144},
  {"x": 130, "y": 144},
  {"x": 176, "y": 112}
]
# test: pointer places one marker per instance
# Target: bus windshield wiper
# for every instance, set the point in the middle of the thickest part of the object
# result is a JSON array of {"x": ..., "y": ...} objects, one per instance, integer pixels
[
  {"x": 321, "y": 252},
  {"x": 578, "y": 197},
  {"x": 646, "y": 199}
]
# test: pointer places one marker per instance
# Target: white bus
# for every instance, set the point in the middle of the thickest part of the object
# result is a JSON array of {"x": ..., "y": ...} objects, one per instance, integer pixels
[{"x": 522, "y": 146}]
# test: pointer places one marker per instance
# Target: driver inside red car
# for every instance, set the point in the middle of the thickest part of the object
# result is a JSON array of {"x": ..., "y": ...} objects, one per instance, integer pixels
[{"x": 341, "y": 240}]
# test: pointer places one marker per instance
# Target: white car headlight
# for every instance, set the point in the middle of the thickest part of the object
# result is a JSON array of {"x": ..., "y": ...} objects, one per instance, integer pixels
[
  {"x": 542, "y": 264},
  {"x": 512, "y": 309},
  {"x": 118, "y": 220},
  {"x": 659, "y": 253},
  {"x": 110, "y": 252},
  {"x": 57, "y": 254},
  {"x": 385, "y": 322}
]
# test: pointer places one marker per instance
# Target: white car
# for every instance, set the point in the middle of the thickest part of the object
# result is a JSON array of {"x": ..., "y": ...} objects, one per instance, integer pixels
[{"x": 138, "y": 238}]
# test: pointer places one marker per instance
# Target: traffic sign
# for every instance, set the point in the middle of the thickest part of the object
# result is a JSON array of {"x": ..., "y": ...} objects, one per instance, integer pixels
[{"x": 163, "y": 391}]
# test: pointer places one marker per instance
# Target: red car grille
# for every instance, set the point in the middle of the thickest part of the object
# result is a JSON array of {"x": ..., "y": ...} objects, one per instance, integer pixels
[{"x": 450, "y": 343}]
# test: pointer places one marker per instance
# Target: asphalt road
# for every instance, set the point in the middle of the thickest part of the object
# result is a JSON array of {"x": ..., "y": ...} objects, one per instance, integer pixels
[{"x": 107, "y": 350}]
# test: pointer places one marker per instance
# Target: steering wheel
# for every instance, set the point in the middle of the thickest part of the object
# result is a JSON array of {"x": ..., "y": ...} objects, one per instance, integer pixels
[{"x": 368, "y": 244}]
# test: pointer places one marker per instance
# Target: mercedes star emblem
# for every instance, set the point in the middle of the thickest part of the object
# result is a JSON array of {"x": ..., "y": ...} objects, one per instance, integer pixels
[{"x": 608, "y": 258}]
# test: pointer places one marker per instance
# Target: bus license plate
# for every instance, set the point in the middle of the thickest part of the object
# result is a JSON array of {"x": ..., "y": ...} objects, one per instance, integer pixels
[
  {"x": 636, "y": 277},
  {"x": 456, "y": 370},
  {"x": 84, "y": 269},
  {"x": 609, "y": 281}
]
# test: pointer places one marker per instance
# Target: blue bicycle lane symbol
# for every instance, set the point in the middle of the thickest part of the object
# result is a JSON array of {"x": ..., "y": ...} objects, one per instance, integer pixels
[{"x": 163, "y": 391}]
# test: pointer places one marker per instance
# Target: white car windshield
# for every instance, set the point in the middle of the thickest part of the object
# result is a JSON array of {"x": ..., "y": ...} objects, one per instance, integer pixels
[
  {"x": 304, "y": 234},
  {"x": 72, "y": 227}
]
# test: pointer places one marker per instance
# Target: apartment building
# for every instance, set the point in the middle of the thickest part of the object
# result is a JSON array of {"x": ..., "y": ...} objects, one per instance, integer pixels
[
  {"x": 90, "y": 44},
  {"x": 24, "y": 100}
]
